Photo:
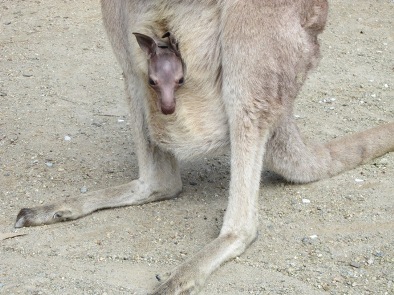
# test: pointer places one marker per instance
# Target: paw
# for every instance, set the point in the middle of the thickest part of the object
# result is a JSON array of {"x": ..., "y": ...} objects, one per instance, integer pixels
[{"x": 41, "y": 215}]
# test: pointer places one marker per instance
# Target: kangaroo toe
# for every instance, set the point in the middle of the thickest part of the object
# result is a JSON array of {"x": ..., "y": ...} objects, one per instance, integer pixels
[{"x": 42, "y": 215}]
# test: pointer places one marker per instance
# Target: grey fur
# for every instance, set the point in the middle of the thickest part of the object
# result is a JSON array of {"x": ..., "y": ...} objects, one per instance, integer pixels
[{"x": 246, "y": 63}]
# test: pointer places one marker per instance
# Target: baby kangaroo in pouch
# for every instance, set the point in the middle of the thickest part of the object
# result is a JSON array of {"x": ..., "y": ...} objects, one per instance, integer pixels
[
  {"x": 246, "y": 62},
  {"x": 165, "y": 69}
]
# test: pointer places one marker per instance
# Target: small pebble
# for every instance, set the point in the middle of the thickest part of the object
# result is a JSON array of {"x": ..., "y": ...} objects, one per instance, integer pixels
[
  {"x": 67, "y": 138},
  {"x": 306, "y": 201},
  {"x": 49, "y": 164},
  {"x": 378, "y": 254},
  {"x": 309, "y": 240},
  {"x": 83, "y": 189},
  {"x": 358, "y": 180},
  {"x": 383, "y": 161},
  {"x": 328, "y": 100}
]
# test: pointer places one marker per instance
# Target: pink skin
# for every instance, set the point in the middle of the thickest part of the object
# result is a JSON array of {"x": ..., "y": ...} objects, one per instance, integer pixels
[
  {"x": 165, "y": 77},
  {"x": 165, "y": 70}
]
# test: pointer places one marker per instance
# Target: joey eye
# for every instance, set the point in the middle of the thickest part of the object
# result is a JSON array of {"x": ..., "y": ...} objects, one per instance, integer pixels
[
  {"x": 152, "y": 82},
  {"x": 181, "y": 81}
]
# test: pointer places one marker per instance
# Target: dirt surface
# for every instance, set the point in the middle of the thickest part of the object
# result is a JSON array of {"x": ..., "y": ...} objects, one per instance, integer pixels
[{"x": 64, "y": 130}]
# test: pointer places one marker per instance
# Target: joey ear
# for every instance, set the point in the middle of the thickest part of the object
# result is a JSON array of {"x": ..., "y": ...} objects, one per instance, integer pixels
[
  {"x": 147, "y": 44},
  {"x": 173, "y": 43}
]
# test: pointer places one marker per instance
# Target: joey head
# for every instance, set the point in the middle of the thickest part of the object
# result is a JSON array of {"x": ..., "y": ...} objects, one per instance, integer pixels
[{"x": 165, "y": 69}]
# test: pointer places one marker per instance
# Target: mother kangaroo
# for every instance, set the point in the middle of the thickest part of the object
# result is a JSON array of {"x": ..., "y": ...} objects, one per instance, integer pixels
[{"x": 231, "y": 72}]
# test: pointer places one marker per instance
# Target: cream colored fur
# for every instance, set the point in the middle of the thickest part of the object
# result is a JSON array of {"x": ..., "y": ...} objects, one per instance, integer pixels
[{"x": 246, "y": 61}]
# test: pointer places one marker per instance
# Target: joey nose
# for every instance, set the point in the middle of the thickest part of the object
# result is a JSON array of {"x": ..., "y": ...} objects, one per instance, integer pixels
[
  {"x": 168, "y": 109},
  {"x": 167, "y": 100}
]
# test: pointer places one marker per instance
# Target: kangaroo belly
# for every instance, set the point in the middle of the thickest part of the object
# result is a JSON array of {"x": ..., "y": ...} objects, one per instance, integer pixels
[{"x": 198, "y": 127}]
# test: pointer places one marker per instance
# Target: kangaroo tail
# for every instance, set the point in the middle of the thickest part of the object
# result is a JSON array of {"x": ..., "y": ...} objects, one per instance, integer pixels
[{"x": 288, "y": 155}]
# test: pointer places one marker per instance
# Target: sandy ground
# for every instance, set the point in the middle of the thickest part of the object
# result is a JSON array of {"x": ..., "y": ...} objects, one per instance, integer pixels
[{"x": 59, "y": 80}]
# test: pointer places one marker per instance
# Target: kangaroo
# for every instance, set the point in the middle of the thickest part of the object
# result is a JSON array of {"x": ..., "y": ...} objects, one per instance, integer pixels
[{"x": 246, "y": 62}]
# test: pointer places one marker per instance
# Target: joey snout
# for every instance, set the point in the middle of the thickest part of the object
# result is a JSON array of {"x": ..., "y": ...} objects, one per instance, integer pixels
[{"x": 166, "y": 99}]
